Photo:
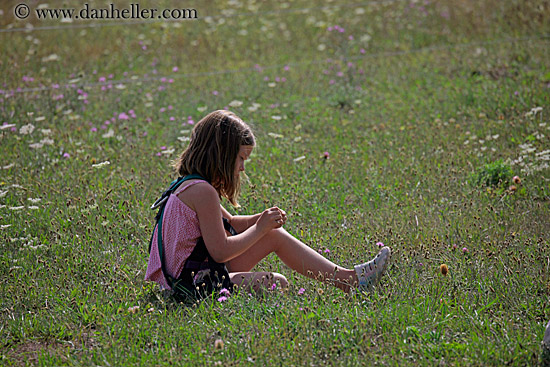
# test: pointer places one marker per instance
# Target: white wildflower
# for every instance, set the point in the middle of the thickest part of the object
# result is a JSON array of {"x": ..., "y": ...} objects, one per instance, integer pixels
[
  {"x": 26, "y": 129},
  {"x": 46, "y": 141},
  {"x": 321, "y": 47},
  {"x": 109, "y": 134},
  {"x": 102, "y": 164},
  {"x": 543, "y": 156},
  {"x": 36, "y": 247},
  {"x": 272, "y": 85},
  {"x": 275, "y": 136},
  {"x": 46, "y": 132},
  {"x": 34, "y": 200},
  {"x": 366, "y": 38},
  {"x": 276, "y": 117},
  {"x": 299, "y": 158},
  {"x": 534, "y": 111},
  {"x": 40, "y": 118},
  {"x": 168, "y": 151},
  {"x": 4, "y": 226},
  {"x": 15, "y": 208},
  {"x": 8, "y": 166},
  {"x": 33, "y": 207},
  {"x": 254, "y": 107},
  {"x": 52, "y": 57},
  {"x": 235, "y": 103},
  {"x": 3, "y": 193},
  {"x": 201, "y": 109},
  {"x": 36, "y": 145},
  {"x": 7, "y": 126}
]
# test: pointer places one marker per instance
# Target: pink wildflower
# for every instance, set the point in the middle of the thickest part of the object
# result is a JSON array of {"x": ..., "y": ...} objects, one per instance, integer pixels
[
  {"x": 273, "y": 286},
  {"x": 123, "y": 116},
  {"x": 224, "y": 291},
  {"x": 301, "y": 291},
  {"x": 222, "y": 299},
  {"x": 379, "y": 244},
  {"x": 465, "y": 250}
]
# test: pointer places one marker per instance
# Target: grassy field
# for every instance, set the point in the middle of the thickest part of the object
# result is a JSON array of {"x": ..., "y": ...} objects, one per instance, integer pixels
[{"x": 395, "y": 121}]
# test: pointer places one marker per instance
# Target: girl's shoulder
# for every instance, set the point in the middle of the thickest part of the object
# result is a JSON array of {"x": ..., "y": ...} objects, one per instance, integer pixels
[{"x": 197, "y": 192}]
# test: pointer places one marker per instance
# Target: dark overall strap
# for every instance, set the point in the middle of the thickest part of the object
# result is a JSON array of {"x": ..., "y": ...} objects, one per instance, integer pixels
[
  {"x": 196, "y": 261},
  {"x": 200, "y": 253},
  {"x": 161, "y": 203}
]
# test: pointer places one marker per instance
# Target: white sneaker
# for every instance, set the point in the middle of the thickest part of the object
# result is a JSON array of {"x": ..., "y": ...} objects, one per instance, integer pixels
[{"x": 369, "y": 274}]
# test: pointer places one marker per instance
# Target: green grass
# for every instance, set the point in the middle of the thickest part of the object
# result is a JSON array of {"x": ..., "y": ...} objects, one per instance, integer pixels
[{"x": 441, "y": 92}]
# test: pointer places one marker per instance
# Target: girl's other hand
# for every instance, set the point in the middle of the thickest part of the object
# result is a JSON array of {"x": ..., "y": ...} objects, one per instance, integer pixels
[{"x": 271, "y": 218}]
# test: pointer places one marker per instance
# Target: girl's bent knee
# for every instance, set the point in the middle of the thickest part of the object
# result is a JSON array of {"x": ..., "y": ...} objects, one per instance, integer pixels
[{"x": 281, "y": 279}]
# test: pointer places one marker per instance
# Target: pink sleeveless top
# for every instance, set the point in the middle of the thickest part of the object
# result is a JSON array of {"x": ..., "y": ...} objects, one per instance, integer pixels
[{"x": 180, "y": 232}]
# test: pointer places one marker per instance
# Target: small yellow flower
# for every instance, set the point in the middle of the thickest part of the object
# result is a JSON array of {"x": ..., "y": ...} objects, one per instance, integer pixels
[{"x": 444, "y": 269}]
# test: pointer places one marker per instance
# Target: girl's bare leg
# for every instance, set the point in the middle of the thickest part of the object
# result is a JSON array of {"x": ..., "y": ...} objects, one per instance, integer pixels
[{"x": 296, "y": 255}]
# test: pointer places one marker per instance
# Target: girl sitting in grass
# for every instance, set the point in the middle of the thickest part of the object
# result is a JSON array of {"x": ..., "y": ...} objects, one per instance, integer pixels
[{"x": 203, "y": 248}]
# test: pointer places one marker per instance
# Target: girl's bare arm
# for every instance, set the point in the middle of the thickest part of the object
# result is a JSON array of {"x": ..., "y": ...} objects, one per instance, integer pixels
[
  {"x": 206, "y": 203},
  {"x": 240, "y": 222}
]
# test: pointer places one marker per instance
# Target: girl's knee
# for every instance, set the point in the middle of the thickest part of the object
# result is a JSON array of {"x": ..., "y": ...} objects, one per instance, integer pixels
[{"x": 281, "y": 279}]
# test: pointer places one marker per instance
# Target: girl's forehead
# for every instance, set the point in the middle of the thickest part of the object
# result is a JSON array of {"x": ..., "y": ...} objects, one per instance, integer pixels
[{"x": 246, "y": 150}]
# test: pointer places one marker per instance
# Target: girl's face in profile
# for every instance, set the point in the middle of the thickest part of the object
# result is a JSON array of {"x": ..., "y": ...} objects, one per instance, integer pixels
[{"x": 243, "y": 155}]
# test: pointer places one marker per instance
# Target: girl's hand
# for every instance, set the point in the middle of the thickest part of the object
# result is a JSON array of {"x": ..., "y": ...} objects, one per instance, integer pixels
[{"x": 271, "y": 218}]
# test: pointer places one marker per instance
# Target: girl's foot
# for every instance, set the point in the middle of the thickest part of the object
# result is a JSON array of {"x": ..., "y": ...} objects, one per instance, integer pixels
[{"x": 369, "y": 273}]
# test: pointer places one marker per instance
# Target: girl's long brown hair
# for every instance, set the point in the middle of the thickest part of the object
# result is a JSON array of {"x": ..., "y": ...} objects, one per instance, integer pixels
[{"x": 213, "y": 149}]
